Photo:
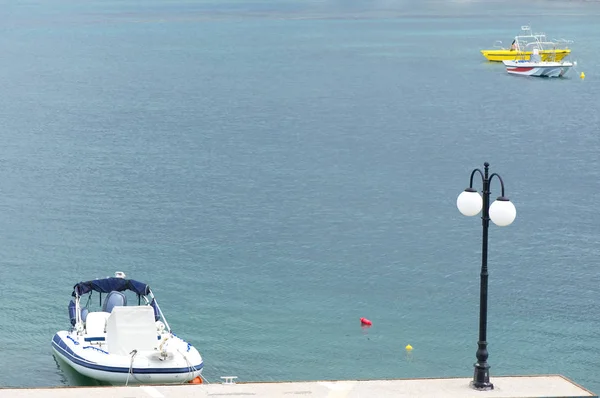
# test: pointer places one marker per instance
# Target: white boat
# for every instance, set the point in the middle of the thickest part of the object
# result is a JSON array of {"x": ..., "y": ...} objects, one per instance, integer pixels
[
  {"x": 124, "y": 344},
  {"x": 536, "y": 67}
]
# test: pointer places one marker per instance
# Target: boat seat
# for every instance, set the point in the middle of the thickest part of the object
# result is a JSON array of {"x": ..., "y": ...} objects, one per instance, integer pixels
[
  {"x": 131, "y": 328},
  {"x": 95, "y": 326},
  {"x": 84, "y": 314},
  {"x": 114, "y": 299},
  {"x": 72, "y": 313}
]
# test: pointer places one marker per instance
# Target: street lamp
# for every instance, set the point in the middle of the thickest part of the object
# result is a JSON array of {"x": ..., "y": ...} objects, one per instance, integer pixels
[{"x": 502, "y": 212}]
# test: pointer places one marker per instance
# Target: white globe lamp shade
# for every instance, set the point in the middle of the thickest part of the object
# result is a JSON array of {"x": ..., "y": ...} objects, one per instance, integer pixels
[
  {"x": 502, "y": 212},
  {"x": 469, "y": 202}
]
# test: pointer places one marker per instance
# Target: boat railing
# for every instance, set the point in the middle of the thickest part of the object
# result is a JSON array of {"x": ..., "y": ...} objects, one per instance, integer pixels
[
  {"x": 149, "y": 300},
  {"x": 544, "y": 45},
  {"x": 522, "y": 42},
  {"x": 563, "y": 43},
  {"x": 498, "y": 44},
  {"x": 529, "y": 31},
  {"x": 530, "y": 36}
]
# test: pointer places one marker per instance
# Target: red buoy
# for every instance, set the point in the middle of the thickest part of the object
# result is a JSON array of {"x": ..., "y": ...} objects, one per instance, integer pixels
[{"x": 365, "y": 321}]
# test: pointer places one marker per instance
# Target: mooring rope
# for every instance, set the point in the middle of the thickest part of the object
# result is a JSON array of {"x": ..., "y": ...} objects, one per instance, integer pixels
[{"x": 132, "y": 353}]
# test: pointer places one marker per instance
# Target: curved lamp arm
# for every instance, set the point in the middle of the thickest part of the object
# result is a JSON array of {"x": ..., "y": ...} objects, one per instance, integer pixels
[{"x": 502, "y": 211}]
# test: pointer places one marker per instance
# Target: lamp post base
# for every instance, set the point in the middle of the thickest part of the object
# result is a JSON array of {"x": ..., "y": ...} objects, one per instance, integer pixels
[
  {"x": 481, "y": 377},
  {"x": 482, "y": 386}
]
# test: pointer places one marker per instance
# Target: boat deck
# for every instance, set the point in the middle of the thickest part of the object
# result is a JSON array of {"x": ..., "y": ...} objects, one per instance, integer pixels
[{"x": 504, "y": 387}]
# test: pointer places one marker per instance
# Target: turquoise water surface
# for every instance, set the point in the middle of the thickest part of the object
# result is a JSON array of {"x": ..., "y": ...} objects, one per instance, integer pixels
[{"x": 277, "y": 170}]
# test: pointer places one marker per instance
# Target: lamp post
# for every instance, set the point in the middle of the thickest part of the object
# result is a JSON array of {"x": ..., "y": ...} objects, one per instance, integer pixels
[{"x": 502, "y": 212}]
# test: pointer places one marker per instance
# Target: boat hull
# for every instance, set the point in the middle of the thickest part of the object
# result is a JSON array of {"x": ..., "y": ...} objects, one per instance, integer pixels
[
  {"x": 507, "y": 55},
  {"x": 146, "y": 368},
  {"x": 538, "y": 69}
]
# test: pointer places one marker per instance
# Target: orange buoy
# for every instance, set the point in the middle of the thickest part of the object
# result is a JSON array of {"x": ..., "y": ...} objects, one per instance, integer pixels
[
  {"x": 365, "y": 322},
  {"x": 196, "y": 380}
]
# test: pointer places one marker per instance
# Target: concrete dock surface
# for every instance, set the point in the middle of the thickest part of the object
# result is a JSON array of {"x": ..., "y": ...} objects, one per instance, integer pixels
[{"x": 545, "y": 386}]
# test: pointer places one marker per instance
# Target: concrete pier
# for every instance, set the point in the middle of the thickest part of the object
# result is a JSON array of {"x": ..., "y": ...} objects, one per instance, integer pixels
[{"x": 547, "y": 386}]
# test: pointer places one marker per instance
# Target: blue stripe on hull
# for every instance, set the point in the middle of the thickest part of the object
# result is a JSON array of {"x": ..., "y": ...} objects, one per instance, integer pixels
[{"x": 68, "y": 353}]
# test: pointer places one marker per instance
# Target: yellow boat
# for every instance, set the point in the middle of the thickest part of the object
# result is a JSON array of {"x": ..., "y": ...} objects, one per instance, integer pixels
[
  {"x": 508, "y": 55},
  {"x": 523, "y": 45}
]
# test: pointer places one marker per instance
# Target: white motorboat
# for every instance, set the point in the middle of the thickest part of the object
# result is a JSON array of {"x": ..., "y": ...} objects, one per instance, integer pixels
[
  {"x": 124, "y": 344},
  {"x": 536, "y": 67}
]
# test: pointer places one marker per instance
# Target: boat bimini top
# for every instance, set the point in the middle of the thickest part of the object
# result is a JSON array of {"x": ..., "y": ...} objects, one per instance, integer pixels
[{"x": 114, "y": 286}]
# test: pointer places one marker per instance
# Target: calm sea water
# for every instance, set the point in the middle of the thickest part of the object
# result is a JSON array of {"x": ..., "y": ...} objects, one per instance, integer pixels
[{"x": 276, "y": 170}]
